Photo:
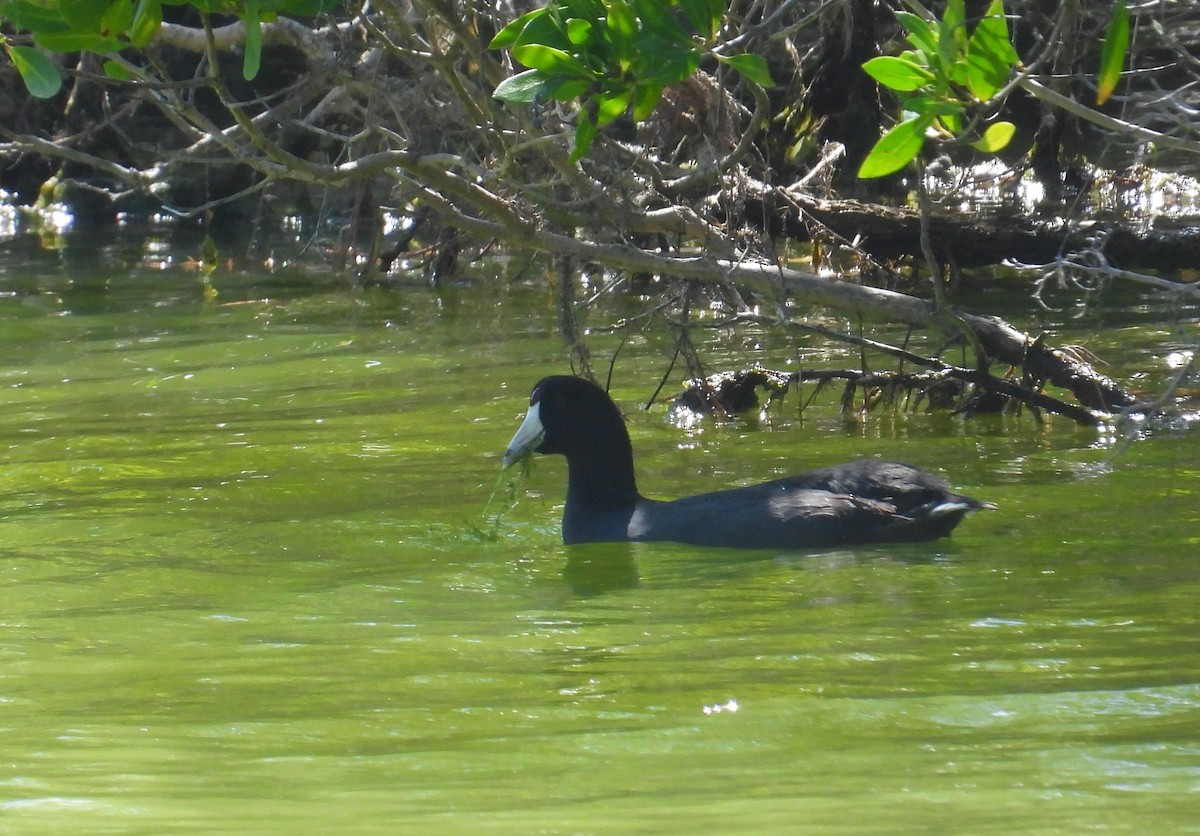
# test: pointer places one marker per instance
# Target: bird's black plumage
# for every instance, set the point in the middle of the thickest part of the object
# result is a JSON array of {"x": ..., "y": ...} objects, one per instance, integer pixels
[{"x": 866, "y": 501}]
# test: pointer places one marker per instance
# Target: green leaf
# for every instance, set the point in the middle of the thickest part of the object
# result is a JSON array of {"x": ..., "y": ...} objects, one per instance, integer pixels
[
  {"x": 934, "y": 107},
  {"x": 550, "y": 60},
  {"x": 585, "y": 132},
  {"x": 1112, "y": 54},
  {"x": 33, "y": 18},
  {"x": 952, "y": 121},
  {"x": 117, "y": 70},
  {"x": 659, "y": 24},
  {"x": 622, "y": 26},
  {"x": 704, "y": 16},
  {"x": 82, "y": 15},
  {"x": 147, "y": 18},
  {"x": 716, "y": 12},
  {"x": 524, "y": 88},
  {"x": 898, "y": 73},
  {"x": 952, "y": 35},
  {"x": 118, "y": 19},
  {"x": 673, "y": 72},
  {"x": 995, "y": 137},
  {"x": 753, "y": 67},
  {"x": 567, "y": 89},
  {"x": 544, "y": 31},
  {"x": 509, "y": 34},
  {"x": 990, "y": 54},
  {"x": 77, "y": 42},
  {"x": 943, "y": 113},
  {"x": 896, "y": 148},
  {"x": 996, "y": 26},
  {"x": 210, "y": 257},
  {"x": 37, "y": 71},
  {"x": 579, "y": 31},
  {"x": 921, "y": 33},
  {"x": 253, "y": 55},
  {"x": 645, "y": 100},
  {"x": 612, "y": 105}
]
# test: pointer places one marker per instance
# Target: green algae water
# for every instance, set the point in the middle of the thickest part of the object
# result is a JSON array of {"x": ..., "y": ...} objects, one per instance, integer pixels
[{"x": 251, "y": 582}]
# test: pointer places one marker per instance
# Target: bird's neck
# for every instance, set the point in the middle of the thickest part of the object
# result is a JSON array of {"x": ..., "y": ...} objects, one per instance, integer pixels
[{"x": 602, "y": 482}]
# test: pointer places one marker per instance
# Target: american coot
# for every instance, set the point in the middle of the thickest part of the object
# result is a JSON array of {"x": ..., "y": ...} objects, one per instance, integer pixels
[{"x": 866, "y": 501}]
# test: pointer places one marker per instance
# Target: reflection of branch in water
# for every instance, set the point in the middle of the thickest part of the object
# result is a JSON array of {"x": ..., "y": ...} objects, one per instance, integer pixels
[
  {"x": 1093, "y": 265},
  {"x": 1132, "y": 422},
  {"x": 1159, "y": 404},
  {"x": 963, "y": 391},
  {"x": 581, "y": 362}
]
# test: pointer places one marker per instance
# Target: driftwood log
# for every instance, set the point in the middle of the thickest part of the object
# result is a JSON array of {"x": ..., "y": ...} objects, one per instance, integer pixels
[{"x": 888, "y": 233}]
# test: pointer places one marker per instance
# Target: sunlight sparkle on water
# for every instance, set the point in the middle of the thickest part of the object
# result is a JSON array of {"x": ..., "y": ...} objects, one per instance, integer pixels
[
  {"x": 8, "y": 216},
  {"x": 1178, "y": 359},
  {"x": 730, "y": 707}
]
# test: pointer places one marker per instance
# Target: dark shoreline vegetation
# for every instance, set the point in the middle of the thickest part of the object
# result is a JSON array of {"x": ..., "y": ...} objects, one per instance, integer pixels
[{"x": 718, "y": 185}]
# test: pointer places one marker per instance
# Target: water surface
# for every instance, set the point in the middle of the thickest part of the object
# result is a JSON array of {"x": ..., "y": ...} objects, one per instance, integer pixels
[{"x": 252, "y": 582}]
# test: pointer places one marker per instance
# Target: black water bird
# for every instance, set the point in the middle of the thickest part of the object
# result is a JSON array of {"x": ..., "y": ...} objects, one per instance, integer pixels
[{"x": 866, "y": 501}]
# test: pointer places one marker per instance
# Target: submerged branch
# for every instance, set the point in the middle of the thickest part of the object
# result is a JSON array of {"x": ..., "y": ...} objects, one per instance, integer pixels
[{"x": 980, "y": 378}]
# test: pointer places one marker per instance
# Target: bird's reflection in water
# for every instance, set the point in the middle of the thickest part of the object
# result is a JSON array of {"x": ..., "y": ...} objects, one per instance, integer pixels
[{"x": 597, "y": 568}]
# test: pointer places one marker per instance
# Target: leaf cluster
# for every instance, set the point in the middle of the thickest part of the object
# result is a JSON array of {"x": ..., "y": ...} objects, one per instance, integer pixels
[
  {"x": 110, "y": 26},
  {"x": 943, "y": 80},
  {"x": 613, "y": 56}
]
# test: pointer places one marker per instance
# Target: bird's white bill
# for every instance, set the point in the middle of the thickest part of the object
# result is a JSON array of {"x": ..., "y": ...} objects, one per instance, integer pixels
[{"x": 528, "y": 436}]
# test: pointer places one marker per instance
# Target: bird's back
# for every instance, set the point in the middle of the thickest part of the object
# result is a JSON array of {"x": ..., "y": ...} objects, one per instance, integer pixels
[{"x": 859, "y": 502}]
